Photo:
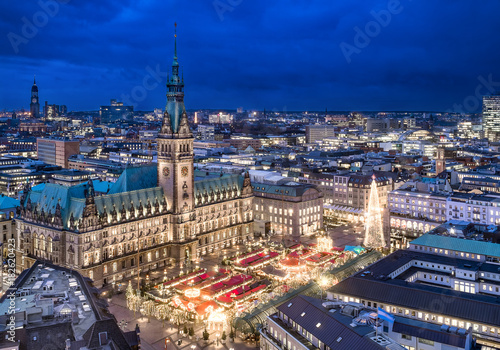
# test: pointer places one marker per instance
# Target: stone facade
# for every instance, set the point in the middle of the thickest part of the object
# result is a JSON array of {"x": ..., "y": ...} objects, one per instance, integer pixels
[{"x": 152, "y": 215}]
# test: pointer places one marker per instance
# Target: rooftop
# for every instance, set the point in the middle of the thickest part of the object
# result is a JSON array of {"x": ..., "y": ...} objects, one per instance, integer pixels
[
  {"x": 376, "y": 284},
  {"x": 458, "y": 244},
  {"x": 334, "y": 329},
  {"x": 54, "y": 305},
  {"x": 51, "y": 296}
]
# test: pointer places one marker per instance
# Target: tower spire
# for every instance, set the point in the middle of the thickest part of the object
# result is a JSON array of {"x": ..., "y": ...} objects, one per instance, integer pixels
[
  {"x": 34, "y": 79},
  {"x": 175, "y": 41},
  {"x": 175, "y": 116}
]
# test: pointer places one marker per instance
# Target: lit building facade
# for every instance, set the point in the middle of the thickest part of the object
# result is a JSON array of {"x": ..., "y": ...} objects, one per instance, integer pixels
[
  {"x": 491, "y": 117},
  {"x": 116, "y": 111},
  {"x": 413, "y": 213},
  {"x": 304, "y": 323},
  {"x": 316, "y": 133},
  {"x": 293, "y": 210},
  {"x": 56, "y": 151},
  {"x": 479, "y": 209},
  {"x": 151, "y": 215},
  {"x": 359, "y": 190}
]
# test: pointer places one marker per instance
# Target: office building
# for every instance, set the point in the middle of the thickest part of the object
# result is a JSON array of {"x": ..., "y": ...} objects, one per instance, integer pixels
[
  {"x": 416, "y": 208},
  {"x": 53, "y": 111},
  {"x": 291, "y": 209},
  {"x": 477, "y": 208},
  {"x": 56, "y": 151},
  {"x": 243, "y": 142},
  {"x": 359, "y": 189},
  {"x": 315, "y": 133},
  {"x": 491, "y": 117},
  {"x": 220, "y": 118},
  {"x": 377, "y": 125},
  {"x": 206, "y": 132},
  {"x": 115, "y": 111}
]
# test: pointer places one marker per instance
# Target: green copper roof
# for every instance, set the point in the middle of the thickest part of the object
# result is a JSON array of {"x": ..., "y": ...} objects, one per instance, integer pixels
[
  {"x": 458, "y": 244},
  {"x": 175, "y": 95},
  {"x": 7, "y": 202},
  {"x": 136, "y": 178},
  {"x": 135, "y": 187},
  {"x": 206, "y": 183}
]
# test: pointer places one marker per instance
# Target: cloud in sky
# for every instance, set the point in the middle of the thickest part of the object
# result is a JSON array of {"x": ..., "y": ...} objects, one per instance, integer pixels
[{"x": 284, "y": 54}]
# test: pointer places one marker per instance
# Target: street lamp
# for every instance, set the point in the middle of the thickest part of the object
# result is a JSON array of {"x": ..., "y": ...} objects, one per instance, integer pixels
[{"x": 323, "y": 282}]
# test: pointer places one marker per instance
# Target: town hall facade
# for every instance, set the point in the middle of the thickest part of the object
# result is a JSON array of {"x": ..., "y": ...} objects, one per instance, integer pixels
[{"x": 152, "y": 215}]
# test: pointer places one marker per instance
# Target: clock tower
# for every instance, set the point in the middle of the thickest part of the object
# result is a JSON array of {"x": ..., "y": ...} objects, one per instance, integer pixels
[
  {"x": 175, "y": 158},
  {"x": 34, "y": 104}
]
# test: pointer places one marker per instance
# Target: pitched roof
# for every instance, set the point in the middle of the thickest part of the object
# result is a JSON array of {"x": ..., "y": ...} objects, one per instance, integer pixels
[
  {"x": 7, "y": 202},
  {"x": 72, "y": 200},
  {"x": 113, "y": 335},
  {"x": 206, "y": 182},
  {"x": 136, "y": 178},
  {"x": 376, "y": 286},
  {"x": 306, "y": 312},
  {"x": 458, "y": 244}
]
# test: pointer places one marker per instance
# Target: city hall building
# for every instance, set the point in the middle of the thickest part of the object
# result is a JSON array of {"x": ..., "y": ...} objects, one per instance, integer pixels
[{"x": 152, "y": 214}]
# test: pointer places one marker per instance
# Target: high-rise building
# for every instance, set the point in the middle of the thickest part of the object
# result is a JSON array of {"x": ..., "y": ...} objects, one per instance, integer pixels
[
  {"x": 319, "y": 132},
  {"x": 50, "y": 111},
  {"x": 220, "y": 118},
  {"x": 34, "y": 104},
  {"x": 377, "y": 125},
  {"x": 491, "y": 117},
  {"x": 206, "y": 132},
  {"x": 115, "y": 111},
  {"x": 56, "y": 151}
]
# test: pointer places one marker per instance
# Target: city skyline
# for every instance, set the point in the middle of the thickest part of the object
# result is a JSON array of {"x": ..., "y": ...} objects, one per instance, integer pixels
[{"x": 294, "y": 57}]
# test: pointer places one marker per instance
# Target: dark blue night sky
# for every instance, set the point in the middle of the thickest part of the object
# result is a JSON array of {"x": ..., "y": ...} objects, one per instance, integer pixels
[{"x": 279, "y": 55}]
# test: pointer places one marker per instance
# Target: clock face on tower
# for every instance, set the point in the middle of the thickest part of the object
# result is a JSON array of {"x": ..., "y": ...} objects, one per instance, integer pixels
[
  {"x": 33, "y": 100},
  {"x": 184, "y": 171},
  {"x": 166, "y": 171}
]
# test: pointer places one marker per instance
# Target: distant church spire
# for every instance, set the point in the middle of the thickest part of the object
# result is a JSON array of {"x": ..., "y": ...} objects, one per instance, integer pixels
[{"x": 34, "y": 103}]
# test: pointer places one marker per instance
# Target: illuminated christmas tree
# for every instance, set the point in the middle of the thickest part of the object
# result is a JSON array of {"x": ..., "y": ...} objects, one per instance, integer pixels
[{"x": 374, "y": 232}]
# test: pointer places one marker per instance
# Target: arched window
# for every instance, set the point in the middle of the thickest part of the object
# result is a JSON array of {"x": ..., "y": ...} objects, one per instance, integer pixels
[
  {"x": 49, "y": 241},
  {"x": 42, "y": 242}
]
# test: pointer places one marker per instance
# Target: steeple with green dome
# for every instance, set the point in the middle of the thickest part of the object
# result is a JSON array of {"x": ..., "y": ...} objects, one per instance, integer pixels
[{"x": 175, "y": 123}]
